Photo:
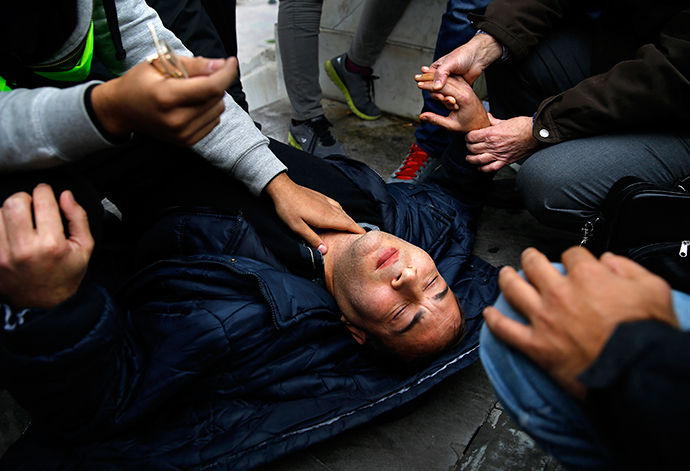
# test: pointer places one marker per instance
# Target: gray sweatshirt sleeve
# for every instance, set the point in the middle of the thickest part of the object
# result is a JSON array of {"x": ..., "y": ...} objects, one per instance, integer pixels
[{"x": 45, "y": 127}]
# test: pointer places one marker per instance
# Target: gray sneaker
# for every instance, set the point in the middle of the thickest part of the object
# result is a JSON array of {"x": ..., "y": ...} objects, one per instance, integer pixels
[
  {"x": 357, "y": 88},
  {"x": 315, "y": 137}
]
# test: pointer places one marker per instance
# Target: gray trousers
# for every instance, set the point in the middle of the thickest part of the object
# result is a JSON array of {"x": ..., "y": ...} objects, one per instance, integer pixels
[
  {"x": 298, "y": 37},
  {"x": 564, "y": 185}
]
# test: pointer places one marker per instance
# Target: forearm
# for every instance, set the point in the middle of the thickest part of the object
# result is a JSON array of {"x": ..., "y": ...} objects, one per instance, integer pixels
[
  {"x": 237, "y": 147},
  {"x": 46, "y": 127}
]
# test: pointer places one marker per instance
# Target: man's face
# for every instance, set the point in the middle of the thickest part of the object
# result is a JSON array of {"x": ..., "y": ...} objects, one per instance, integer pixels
[{"x": 393, "y": 289}]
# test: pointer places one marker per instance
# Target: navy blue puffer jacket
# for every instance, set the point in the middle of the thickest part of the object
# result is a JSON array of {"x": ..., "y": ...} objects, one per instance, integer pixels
[{"x": 216, "y": 357}]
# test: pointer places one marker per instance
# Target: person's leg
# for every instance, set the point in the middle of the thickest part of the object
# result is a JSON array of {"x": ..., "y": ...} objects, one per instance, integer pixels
[
  {"x": 565, "y": 185},
  {"x": 352, "y": 72},
  {"x": 424, "y": 155},
  {"x": 558, "y": 63},
  {"x": 298, "y": 36},
  {"x": 378, "y": 19},
  {"x": 539, "y": 406},
  {"x": 455, "y": 30}
]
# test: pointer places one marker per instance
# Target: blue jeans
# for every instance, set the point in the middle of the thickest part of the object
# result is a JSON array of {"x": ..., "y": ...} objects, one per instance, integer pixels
[
  {"x": 539, "y": 406},
  {"x": 455, "y": 31}
]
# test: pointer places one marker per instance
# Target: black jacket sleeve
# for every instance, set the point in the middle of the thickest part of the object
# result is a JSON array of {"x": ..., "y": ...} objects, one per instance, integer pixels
[
  {"x": 638, "y": 392},
  {"x": 640, "y": 75}
]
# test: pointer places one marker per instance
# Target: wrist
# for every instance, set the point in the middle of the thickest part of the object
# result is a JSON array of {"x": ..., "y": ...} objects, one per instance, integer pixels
[
  {"x": 488, "y": 49},
  {"x": 277, "y": 184},
  {"x": 106, "y": 110}
]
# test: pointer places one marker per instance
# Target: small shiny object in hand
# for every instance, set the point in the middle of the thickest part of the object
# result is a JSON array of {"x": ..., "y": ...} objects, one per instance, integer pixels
[{"x": 165, "y": 61}]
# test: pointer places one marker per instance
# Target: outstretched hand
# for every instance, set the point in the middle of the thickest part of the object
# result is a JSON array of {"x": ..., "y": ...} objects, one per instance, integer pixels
[
  {"x": 39, "y": 266},
  {"x": 302, "y": 208},
  {"x": 181, "y": 111},
  {"x": 572, "y": 316},
  {"x": 466, "y": 110}
]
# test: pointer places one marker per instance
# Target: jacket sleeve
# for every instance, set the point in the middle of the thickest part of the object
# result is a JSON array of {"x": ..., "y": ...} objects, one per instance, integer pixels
[
  {"x": 650, "y": 89},
  {"x": 79, "y": 370},
  {"x": 46, "y": 127},
  {"x": 637, "y": 395},
  {"x": 519, "y": 25}
]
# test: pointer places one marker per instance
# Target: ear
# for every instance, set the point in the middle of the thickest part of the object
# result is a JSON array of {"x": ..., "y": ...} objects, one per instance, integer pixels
[{"x": 358, "y": 334}]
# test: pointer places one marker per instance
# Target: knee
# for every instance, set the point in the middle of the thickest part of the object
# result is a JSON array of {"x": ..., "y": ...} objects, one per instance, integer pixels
[{"x": 552, "y": 195}]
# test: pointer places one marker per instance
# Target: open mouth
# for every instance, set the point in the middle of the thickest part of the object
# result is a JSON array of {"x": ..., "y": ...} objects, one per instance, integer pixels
[{"x": 387, "y": 258}]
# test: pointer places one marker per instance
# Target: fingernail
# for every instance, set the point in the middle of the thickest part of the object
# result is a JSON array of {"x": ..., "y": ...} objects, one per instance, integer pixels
[
  {"x": 216, "y": 64},
  {"x": 437, "y": 84},
  {"x": 321, "y": 248}
]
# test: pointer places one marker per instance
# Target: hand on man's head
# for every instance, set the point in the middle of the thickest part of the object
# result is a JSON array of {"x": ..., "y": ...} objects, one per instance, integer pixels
[
  {"x": 572, "y": 316},
  {"x": 39, "y": 266}
]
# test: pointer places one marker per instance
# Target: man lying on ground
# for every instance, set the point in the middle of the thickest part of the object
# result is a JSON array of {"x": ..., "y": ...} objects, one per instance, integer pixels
[{"x": 228, "y": 347}]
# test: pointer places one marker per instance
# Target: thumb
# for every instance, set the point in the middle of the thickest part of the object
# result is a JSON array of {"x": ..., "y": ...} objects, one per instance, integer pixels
[
  {"x": 199, "y": 66},
  {"x": 441, "y": 75},
  {"x": 77, "y": 220}
]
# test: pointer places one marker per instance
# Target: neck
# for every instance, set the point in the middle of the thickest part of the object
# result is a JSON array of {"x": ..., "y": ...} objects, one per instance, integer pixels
[{"x": 337, "y": 243}]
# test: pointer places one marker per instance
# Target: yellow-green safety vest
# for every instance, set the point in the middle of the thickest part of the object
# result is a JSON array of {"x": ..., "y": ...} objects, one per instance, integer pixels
[{"x": 77, "y": 73}]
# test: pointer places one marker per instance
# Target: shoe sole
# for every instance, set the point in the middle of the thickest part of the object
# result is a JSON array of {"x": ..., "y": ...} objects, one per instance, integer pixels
[
  {"x": 333, "y": 75},
  {"x": 293, "y": 142}
]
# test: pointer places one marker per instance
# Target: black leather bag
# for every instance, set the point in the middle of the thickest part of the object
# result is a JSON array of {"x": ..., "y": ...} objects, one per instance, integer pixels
[{"x": 648, "y": 224}]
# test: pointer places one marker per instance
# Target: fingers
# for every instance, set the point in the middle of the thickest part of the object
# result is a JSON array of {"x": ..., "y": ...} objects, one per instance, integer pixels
[
  {"x": 202, "y": 66},
  {"x": 203, "y": 87},
  {"x": 46, "y": 211},
  {"x": 440, "y": 76},
  {"x": 508, "y": 330},
  {"x": 442, "y": 121},
  {"x": 78, "y": 221},
  {"x": 494, "y": 166},
  {"x": 199, "y": 127},
  {"x": 539, "y": 270},
  {"x": 623, "y": 266},
  {"x": 310, "y": 237},
  {"x": 518, "y": 292},
  {"x": 18, "y": 219}
]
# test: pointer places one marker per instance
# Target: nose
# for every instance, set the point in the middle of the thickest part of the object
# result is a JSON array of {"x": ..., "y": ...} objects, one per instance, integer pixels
[{"x": 407, "y": 281}]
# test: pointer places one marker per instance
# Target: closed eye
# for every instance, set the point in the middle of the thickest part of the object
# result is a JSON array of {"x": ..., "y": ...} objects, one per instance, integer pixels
[{"x": 431, "y": 282}]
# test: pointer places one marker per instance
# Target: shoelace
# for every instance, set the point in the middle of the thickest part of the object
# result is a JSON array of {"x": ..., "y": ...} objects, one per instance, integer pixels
[
  {"x": 369, "y": 81},
  {"x": 415, "y": 159},
  {"x": 321, "y": 126}
]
